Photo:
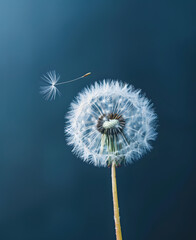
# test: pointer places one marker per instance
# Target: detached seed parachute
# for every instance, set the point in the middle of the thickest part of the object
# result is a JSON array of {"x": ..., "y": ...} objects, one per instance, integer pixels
[{"x": 50, "y": 80}]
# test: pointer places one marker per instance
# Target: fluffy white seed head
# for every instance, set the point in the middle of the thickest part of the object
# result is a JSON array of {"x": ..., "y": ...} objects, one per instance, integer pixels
[{"x": 110, "y": 121}]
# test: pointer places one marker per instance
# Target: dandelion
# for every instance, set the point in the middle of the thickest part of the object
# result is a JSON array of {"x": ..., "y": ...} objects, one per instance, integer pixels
[
  {"x": 110, "y": 124},
  {"x": 50, "y": 81}
]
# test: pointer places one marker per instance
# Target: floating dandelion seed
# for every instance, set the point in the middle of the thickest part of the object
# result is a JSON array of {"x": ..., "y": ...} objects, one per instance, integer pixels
[
  {"x": 51, "y": 80},
  {"x": 108, "y": 124},
  {"x": 49, "y": 90}
]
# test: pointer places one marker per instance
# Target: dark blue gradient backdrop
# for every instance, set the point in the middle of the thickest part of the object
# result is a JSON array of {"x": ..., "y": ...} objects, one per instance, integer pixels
[{"x": 46, "y": 192}]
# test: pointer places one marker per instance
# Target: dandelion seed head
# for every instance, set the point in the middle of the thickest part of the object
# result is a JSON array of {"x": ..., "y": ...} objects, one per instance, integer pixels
[{"x": 110, "y": 121}]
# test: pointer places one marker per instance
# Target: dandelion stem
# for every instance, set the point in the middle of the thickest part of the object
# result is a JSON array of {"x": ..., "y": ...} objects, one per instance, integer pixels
[{"x": 115, "y": 203}]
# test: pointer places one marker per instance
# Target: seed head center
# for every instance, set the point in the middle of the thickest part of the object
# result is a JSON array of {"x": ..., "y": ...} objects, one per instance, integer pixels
[{"x": 112, "y": 123}]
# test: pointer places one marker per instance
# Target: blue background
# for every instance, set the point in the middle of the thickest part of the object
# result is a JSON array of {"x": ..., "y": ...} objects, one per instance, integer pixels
[{"x": 45, "y": 191}]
